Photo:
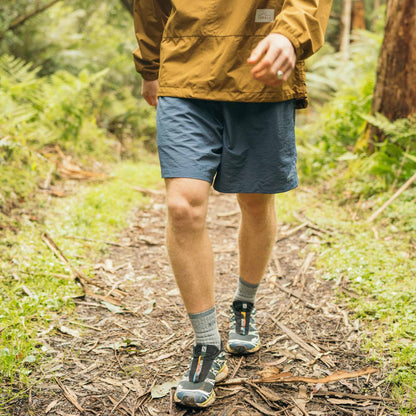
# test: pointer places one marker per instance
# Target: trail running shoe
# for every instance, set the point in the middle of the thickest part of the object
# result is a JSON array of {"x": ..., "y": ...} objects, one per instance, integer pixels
[
  {"x": 196, "y": 389},
  {"x": 243, "y": 336}
]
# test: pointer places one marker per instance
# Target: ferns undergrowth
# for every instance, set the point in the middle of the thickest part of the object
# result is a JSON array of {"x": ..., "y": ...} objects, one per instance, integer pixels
[
  {"x": 330, "y": 147},
  {"x": 37, "y": 113}
]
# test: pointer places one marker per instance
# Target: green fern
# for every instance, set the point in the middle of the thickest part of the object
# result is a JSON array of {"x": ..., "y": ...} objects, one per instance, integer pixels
[
  {"x": 38, "y": 111},
  {"x": 402, "y": 131}
]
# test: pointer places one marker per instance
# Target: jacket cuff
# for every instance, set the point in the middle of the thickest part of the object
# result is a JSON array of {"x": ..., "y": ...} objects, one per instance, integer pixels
[
  {"x": 285, "y": 30},
  {"x": 149, "y": 76}
]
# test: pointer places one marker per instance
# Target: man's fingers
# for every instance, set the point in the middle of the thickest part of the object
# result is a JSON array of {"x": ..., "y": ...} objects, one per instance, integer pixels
[
  {"x": 267, "y": 62},
  {"x": 149, "y": 92},
  {"x": 257, "y": 52},
  {"x": 284, "y": 62},
  {"x": 281, "y": 61},
  {"x": 151, "y": 100}
]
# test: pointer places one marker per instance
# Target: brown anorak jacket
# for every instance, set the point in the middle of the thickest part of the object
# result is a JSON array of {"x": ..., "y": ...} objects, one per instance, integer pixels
[{"x": 199, "y": 48}]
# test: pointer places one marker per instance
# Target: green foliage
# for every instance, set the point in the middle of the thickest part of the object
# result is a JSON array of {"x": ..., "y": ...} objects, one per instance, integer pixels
[
  {"x": 92, "y": 36},
  {"x": 379, "y": 263},
  {"x": 338, "y": 122},
  {"x": 328, "y": 146},
  {"x": 39, "y": 112},
  {"x": 381, "y": 269}
]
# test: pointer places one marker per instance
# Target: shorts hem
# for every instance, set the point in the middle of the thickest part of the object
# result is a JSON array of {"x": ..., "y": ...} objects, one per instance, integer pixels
[
  {"x": 257, "y": 190},
  {"x": 171, "y": 175}
]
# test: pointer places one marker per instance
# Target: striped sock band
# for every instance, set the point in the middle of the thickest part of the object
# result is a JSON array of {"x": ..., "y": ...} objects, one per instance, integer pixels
[
  {"x": 246, "y": 292},
  {"x": 205, "y": 327}
]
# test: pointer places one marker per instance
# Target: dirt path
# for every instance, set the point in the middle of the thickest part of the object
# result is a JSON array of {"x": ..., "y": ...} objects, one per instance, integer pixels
[{"x": 106, "y": 358}]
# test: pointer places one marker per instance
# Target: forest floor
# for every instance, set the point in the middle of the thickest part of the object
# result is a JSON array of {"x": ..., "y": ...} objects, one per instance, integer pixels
[{"x": 129, "y": 340}]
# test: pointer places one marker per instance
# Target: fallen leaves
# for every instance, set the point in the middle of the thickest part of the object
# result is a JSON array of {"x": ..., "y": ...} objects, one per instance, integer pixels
[
  {"x": 70, "y": 170},
  {"x": 162, "y": 390}
]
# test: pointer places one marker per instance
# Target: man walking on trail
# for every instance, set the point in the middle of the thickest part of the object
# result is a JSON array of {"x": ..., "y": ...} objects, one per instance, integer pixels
[{"x": 226, "y": 77}]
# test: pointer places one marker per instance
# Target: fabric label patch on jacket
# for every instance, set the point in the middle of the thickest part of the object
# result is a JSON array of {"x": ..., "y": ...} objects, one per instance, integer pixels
[{"x": 264, "y": 16}]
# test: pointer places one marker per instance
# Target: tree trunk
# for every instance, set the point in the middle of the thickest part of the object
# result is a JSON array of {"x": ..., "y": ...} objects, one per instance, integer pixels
[
  {"x": 395, "y": 90},
  {"x": 345, "y": 29},
  {"x": 358, "y": 15}
]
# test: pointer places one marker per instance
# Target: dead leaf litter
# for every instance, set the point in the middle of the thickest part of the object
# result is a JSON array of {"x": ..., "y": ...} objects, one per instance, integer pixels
[{"x": 129, "y": 341}]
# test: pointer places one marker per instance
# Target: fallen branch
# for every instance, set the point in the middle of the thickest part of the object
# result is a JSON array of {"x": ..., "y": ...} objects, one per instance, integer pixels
[
  {"x": 292, "y": 231},
  {"x": 75, "y": 273},
  {"x": 386, "y": 204},
  {"x": 22, "y": 19},
  {"x": 312, "y": 225},
  {"x": 273, "y": 375}
]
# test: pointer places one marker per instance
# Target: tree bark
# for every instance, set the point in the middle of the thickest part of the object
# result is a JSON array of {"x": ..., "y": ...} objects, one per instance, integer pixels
[
  {"x": 345, "y": 29},
  {"x": 395, "y": 89},
  {"x": 358, "y": 15},
  {"x": 128, "y": 4}
]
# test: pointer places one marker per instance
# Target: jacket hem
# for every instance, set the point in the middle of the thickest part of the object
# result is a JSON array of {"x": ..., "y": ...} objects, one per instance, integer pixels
[{"x": 234, "y": 96}]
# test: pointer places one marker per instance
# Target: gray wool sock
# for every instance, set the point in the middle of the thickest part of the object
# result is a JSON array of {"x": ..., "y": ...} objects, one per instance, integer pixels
[
  {"x": 205, "y": 327},
  {"x": 246, "y": 292}
]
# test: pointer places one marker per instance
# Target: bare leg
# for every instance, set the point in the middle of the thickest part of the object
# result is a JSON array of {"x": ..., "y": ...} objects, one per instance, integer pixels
[
  {"x": 257, "y": 234},
  {"x": 188, "y": 243}
]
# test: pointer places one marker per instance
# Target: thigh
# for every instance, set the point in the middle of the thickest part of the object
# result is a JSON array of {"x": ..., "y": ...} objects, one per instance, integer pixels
[
  {"x": 189, "y": 138},
  {"x": 259, "y": 153}
]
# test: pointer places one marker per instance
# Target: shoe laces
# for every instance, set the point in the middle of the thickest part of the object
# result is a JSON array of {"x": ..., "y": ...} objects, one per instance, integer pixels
[
  {"x": 203, "y": 357},
  {"x": 242, "y": 313}
]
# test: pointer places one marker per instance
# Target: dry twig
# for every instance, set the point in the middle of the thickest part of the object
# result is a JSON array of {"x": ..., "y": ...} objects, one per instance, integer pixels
[
  {"x": 70, "y": 396},
  {"x": 307, "y": 347},
  {"x": 292, "y": 231},
  {"x": 386, "y": 204}
]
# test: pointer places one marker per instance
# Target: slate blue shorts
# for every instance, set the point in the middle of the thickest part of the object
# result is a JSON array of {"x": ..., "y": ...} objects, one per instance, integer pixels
[{"x": 242, "y": 147}]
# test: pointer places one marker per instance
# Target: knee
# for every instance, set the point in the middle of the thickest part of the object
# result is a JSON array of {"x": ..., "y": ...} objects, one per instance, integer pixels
[
  {"x": 186, "y": 215},
  {"x": 259, "y": 207}
]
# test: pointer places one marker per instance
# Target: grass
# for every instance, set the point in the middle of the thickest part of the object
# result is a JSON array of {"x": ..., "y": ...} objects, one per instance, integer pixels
[
  {"x": 31, "y": 292},
  {"x": 378, "y": 260}
]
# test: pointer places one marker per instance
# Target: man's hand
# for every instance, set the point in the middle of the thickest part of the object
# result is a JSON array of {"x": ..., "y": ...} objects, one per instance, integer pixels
[
  {"x": 149, "y": 91},
  {"x": 274, "y": 53}
]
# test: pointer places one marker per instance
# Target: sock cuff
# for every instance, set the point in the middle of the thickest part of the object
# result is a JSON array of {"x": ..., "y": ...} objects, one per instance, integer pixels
[
  {"x": 202, "y": 314},
  {"x": 247, "y": 284}
]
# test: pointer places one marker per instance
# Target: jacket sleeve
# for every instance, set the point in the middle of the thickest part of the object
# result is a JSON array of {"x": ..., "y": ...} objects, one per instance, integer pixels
[
  {"x": 150, "y": 17},
  {"x": 304, "y": 23}
]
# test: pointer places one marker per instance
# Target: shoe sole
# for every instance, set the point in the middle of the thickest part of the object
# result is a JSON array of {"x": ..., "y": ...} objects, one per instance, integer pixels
[
  {"x": 189, "y": 402},
  {"x": 242, "y": 350}
]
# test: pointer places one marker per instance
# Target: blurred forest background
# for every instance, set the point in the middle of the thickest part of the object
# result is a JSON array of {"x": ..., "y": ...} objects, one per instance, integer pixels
[{"x": 69, "y": 97}]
